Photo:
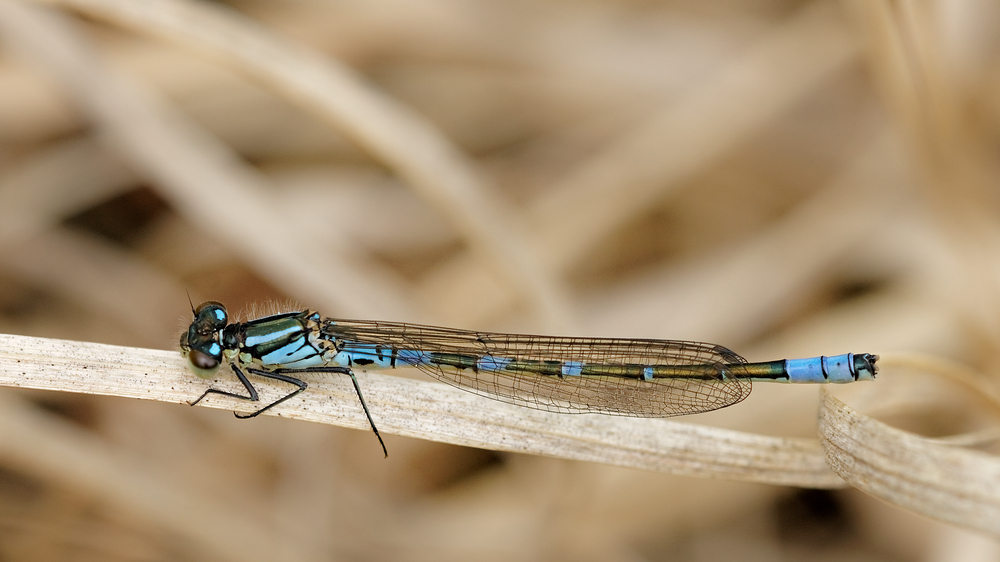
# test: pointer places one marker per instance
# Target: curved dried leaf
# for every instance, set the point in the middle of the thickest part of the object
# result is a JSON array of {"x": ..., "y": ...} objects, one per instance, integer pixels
[{"x": 929, "y": 476}]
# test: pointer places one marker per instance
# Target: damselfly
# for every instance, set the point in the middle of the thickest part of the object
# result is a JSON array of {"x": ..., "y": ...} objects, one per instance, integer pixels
[{"x": 625, "y": 377}]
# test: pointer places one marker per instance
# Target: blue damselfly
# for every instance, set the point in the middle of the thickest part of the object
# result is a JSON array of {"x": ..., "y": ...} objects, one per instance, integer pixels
[{"x": 619, "y": 376}]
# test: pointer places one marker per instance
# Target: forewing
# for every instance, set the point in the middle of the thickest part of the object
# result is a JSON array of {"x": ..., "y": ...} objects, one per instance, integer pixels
[{"x": 722, "y": 386}]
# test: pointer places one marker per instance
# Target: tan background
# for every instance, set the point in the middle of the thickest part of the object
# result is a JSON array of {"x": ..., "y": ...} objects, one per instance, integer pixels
[{"x": 783, "y": 178}]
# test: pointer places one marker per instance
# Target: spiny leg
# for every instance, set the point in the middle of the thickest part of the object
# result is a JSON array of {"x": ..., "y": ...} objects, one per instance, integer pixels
[
  {"x": 344, "y": 371},
  {"x": 275, "y": 375},
  {"x": 243, "y": 379},
  {"x": 281, "y": 375},
  {"x": 253, "y": 396}
]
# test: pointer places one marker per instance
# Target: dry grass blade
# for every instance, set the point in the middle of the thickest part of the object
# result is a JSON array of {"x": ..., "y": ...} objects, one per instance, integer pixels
[
  {"x": 430, "y": 411},
  {"x": 928, "y": 476}
]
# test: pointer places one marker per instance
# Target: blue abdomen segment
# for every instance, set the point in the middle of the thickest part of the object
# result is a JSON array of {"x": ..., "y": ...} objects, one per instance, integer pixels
[
  {"x": 366, "y": 355},
  {"x": 833, "y": 369}
]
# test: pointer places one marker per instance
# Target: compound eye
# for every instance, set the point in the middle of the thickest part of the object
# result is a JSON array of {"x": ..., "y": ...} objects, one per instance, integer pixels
[
  {"x": 203, "y": 364},
  {"x": 202, "y": 360},
  {"x": 212, "y": 314}
]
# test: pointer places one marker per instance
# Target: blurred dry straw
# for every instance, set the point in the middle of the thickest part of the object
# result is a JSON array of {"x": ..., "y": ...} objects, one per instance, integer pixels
[{"x": 784, "y": 178}]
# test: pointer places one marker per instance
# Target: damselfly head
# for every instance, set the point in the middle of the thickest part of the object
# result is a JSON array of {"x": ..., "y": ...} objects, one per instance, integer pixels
[{"x": 200, "y": 343}]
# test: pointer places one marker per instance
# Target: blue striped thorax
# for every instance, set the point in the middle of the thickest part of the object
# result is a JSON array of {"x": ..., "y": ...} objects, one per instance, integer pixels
[{"x": 289, "y": 341}]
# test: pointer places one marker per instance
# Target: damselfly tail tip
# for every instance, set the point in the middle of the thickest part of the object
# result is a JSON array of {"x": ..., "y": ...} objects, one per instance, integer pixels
[{"x": 865, "y": 367}]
